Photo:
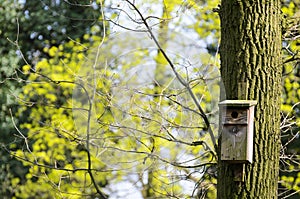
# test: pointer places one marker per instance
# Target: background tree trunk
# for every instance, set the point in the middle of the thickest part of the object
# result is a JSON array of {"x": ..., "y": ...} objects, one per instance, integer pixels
[{"x": 251, "y": 54}]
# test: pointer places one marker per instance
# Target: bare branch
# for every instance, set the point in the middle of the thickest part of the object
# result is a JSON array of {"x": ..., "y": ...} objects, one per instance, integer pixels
[{"x": 180, "y": 79}]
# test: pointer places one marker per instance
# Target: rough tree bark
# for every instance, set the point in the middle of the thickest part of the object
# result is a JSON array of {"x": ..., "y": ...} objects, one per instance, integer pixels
[{"x": 250, "y": 54}]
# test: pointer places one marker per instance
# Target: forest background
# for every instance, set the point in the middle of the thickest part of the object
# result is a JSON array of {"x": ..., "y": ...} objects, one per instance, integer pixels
[{"x": 90, "y": 106}]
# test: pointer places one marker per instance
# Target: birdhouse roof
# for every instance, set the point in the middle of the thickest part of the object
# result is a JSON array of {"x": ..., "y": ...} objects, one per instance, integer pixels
[{"x": 238, "y": 103}]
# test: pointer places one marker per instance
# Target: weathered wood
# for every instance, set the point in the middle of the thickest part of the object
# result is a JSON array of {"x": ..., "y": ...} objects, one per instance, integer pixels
[
  {"x": 235, "y": 116},
  {"x": 238, "y": 103},
  {"x": 234, "y": 144},
  {"x": 237, "y": 130}
]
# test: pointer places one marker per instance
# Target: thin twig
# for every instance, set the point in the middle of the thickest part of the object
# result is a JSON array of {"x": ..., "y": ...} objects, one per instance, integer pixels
[
  {"x": 91, "y": 102},
  {"x": 178, "y": 76}
]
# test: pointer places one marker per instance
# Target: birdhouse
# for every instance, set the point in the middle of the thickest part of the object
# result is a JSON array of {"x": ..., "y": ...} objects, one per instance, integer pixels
[{"x": 237, "y": 121}]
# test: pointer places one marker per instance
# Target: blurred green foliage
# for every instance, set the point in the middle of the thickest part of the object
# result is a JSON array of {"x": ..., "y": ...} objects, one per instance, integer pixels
[
  {"x": 26, "y": 27},
  {"x": 56, "y": 153},
  {"x": 289, "y": 173}
]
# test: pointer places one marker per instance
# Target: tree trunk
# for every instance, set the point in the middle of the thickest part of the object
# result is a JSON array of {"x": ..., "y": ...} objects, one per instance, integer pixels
[{"x": 251, "y": 55}]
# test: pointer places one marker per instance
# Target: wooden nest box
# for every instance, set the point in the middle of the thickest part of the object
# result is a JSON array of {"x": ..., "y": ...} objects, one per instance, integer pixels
[{"x": 237, "y": 123}]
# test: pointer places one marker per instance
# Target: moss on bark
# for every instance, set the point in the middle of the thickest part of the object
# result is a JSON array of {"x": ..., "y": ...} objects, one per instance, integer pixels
[{"x": 250, "y": 54}]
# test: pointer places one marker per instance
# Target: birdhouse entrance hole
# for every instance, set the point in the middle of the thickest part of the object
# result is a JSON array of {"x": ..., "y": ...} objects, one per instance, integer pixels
[{"x": 234, "y": 114}]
